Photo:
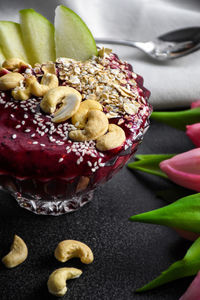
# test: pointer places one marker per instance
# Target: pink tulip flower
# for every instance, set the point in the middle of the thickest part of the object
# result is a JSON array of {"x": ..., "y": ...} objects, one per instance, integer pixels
[
  {"x": 195, "y": 104},
  {"x": 193, "y": 291},
  {"x": 184, "y": 169},
  {"x": 193, "y": 132},
  {"x": 188, "y": 235}
]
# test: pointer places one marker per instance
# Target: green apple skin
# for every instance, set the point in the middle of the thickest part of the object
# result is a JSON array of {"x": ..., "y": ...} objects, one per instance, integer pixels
[
  {"x": 38, "y": 36},
  {"x": 11, "y": 41},
  {"x": 73, "y": 39},
  {"x": 2, "y": 57}
]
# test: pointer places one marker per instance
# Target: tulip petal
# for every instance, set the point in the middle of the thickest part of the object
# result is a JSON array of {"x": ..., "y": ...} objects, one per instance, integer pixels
[
  {"x": 193, "y": 132},
  {"x": 195, "y": 104},
  {"x": 193, "y": 291},
  {"x": 184, "y": 169},
  {"x": 188, "y": 235}
]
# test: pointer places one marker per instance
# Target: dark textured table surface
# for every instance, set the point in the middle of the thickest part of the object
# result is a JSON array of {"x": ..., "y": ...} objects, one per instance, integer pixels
[{"x": 127, "y": 255}]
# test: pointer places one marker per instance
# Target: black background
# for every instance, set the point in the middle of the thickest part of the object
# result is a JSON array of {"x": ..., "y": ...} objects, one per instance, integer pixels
[{"x": 127, "y": 255}]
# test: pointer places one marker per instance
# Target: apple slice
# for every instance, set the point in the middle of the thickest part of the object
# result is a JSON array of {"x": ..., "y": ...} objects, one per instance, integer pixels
[
  {"x": 2, "y": 57},
  {"x": 38, "y": 36},
  {"x": 11, "y": 41},
  {"x": 72, "y": 36}
]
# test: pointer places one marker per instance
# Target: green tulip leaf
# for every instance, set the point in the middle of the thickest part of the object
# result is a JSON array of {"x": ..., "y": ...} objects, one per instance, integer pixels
[
  {"x": 178, "y": 119},
  {"x": 149, "y": 163},
  {"x": 188, "y": 266},
  {"x": 183, "y": 214}
]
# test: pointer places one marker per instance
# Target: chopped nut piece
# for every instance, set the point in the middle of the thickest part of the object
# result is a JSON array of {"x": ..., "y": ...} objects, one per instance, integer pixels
[{"x": 104, "y": 51}]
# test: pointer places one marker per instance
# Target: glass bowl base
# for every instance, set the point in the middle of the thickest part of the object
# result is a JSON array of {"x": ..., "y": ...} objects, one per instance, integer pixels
[{"x": 53, "y": 207}]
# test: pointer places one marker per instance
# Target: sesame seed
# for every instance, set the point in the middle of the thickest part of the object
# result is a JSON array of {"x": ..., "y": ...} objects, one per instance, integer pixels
[
  {"x": 14, "y": 136},
  {"x": 89, "y": 163},
  {"x": 61, "y": 159},
  {"x": 18, "y": 126},
  {"x": 101, "y": 164},
  {"x": 35, "y": 143},
  {"x": 25, "y": 116}
]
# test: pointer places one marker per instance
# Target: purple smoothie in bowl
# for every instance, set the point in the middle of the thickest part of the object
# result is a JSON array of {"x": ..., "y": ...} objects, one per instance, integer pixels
[{"x": 46, "y": 171}]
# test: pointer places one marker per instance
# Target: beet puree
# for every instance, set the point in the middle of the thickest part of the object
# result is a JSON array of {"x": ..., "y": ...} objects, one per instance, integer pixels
[{"x": 37, "y": 159}]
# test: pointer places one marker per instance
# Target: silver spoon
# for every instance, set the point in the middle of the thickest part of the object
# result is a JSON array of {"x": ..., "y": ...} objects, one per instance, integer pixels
[{"x": 170, "y": 45}]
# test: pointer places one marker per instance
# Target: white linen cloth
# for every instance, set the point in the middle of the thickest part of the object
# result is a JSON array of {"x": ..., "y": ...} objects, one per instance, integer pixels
[{"x": 172, "y": 84}]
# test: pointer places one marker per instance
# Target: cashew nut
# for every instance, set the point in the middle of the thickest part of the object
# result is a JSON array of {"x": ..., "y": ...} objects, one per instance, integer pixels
[
  {"x": 96, "y": 126},
  {"x": 80, "y": 117},
  {"x": 49, "y": 67},
  {"x": 82, "y": 184},
  {"x": 49, "y": 81},
  {"x": 17, "y": 255},
  {"x": 113, "y": 139},
  {"x": 57, "y": 280},
  {"x": 67, "y": 97},
  {"x": 21, "y": 93},
  {"x": 14, "y": 63},
  {"x": 69, "y": 248},
  {"x": 10, "y": 81}
]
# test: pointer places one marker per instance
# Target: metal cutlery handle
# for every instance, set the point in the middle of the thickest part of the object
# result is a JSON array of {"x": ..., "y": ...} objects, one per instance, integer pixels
[{"x": 116, "y": 42}]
